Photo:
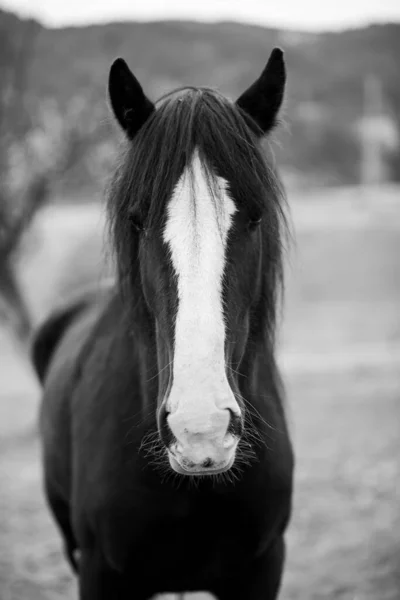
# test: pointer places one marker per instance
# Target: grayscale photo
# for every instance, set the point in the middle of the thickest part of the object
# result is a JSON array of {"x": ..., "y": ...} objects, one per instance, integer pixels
[{"x": 199, "y": 300}]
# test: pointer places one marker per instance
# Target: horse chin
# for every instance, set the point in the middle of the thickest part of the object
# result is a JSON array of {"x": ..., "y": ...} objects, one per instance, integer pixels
[{"x": 178, "y": 468}]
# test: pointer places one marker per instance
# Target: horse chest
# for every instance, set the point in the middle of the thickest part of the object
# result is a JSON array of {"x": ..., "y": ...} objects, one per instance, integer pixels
[{"x": 201, "y": 538}]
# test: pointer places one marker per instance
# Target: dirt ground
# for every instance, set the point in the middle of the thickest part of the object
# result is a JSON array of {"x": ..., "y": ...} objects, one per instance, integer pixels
[{"x": 340, "y": 355}]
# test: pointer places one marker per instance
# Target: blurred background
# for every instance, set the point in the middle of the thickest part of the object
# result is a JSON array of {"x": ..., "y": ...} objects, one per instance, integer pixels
[{"x": 338, "y": 150}]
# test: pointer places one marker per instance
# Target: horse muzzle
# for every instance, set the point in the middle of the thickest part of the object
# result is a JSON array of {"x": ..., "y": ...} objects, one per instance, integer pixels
[{"x": 203, "y": 446}]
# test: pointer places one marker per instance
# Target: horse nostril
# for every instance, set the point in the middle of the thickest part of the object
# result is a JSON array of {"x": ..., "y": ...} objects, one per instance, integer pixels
[
  {"x": 235, "y": 426},
  {"x": 166, "y": 435},
  {"x": 207, "y": 463}
]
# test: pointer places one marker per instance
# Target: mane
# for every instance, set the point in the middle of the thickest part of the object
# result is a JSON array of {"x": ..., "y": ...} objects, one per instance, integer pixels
[{"x": 186, "y": 121}]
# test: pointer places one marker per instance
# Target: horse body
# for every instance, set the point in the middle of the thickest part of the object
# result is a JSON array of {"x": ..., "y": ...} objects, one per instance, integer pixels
[
  {"x": 157, "y": 535},
  {"x": 168, "y": 469}
]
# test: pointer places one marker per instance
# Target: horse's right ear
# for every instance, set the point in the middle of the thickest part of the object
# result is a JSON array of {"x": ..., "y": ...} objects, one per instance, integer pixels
[{"x": 130, "y": 105}]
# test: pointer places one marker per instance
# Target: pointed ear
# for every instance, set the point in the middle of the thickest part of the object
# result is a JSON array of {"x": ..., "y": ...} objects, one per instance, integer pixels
[
  {"x": 130, "y": 105},
  {"x": 263, "y": 99}
]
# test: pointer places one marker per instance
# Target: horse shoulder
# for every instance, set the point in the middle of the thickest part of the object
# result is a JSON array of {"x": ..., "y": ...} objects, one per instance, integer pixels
[{"x": 51, "y": 332}]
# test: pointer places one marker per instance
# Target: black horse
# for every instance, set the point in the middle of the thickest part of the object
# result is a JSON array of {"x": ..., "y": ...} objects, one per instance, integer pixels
[{"x": 167, "y": 459}]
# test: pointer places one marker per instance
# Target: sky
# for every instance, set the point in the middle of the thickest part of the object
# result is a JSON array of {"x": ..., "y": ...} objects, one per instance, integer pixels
[{"x": 312, "y": 15}]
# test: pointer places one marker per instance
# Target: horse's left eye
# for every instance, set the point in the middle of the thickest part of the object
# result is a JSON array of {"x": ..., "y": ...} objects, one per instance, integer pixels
[
  {"x": 136, "y": 222},
  {"x": 253, "y": 224}
]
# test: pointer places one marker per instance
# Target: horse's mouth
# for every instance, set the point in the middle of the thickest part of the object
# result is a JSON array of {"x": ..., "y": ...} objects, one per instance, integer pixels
[{"x": 199, "y": 471}]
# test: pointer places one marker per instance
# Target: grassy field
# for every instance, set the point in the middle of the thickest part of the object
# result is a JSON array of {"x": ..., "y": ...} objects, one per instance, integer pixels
[{"x": 340, "y": 354}]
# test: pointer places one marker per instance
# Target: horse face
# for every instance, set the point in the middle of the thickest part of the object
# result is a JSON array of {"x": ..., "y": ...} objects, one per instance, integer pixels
[{"x": 200, "y": 274}]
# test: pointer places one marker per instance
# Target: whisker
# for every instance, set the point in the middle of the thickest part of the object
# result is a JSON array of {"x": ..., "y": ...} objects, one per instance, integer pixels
[{"x": 159, "y": 372}]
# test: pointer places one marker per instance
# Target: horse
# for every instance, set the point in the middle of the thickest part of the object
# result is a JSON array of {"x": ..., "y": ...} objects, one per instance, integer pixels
[{"x": 167, "y": 460}]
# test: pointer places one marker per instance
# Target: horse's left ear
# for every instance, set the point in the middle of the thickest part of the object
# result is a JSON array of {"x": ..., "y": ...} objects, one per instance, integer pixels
[
  {"x": 131, "y": 106},
  {"x": 263, "y": 99}
]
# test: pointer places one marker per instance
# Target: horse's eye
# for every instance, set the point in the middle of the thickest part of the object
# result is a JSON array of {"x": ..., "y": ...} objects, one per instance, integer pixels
[
  {"x": 254, "y": 224},
  {"x": 136, "y": 222}
]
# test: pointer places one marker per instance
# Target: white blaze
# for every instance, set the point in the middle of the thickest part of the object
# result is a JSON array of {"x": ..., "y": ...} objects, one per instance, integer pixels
[{"x": 196, "y": 234}]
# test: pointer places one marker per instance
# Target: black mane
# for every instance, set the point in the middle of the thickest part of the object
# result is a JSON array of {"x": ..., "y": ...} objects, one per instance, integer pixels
[{"x": 226, "y": 140}]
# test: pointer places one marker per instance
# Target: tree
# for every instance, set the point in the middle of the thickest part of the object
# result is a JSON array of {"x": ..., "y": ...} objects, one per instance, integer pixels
[
  {"x": 38, "y": 147},
  {"x": 16, "y": 213}
]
